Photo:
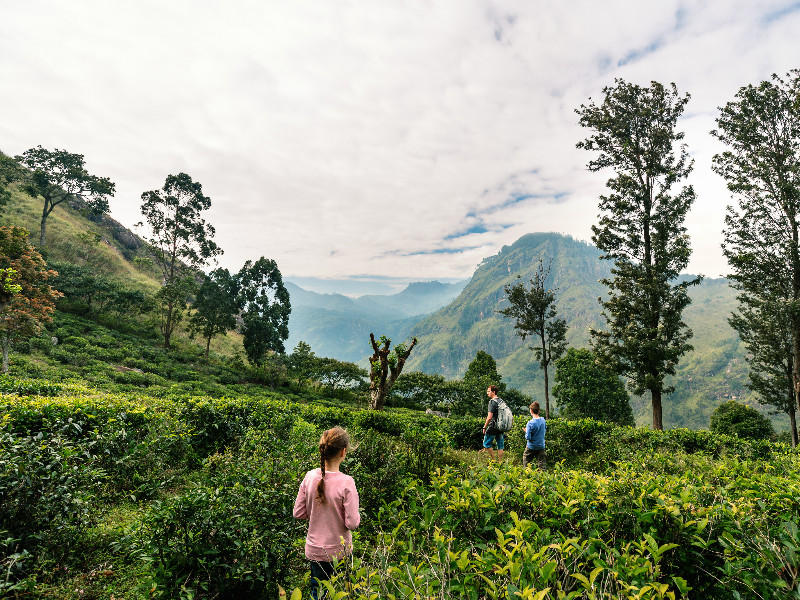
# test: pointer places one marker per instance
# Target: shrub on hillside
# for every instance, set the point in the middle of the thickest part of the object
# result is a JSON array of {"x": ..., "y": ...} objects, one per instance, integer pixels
[
  {"x": 733, "y": 418},
  {"x": 233, "y": 536}
]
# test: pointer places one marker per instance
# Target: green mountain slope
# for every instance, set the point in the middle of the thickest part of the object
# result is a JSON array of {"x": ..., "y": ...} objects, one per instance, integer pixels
[{"x": 449, "y": 339}]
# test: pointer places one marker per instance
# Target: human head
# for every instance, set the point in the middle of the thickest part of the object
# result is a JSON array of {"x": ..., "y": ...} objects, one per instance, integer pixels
[
  {"x": 492, "y": 390},
  {"x": 534, "y": 408},
  {"x": 331, "y": 444}
]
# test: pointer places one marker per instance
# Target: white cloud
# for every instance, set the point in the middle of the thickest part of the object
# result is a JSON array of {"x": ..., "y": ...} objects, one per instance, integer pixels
[{"x": 362, "y": 138}]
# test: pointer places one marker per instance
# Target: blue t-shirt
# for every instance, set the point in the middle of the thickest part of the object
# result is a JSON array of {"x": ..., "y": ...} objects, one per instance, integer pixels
[{"x": 534, "y": 433}]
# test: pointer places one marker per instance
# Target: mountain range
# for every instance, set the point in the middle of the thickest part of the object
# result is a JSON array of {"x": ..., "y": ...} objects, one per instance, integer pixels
[{"x": 450, "y": 336}]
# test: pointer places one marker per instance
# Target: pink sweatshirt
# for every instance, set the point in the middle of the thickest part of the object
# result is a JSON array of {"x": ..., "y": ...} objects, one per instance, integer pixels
[{"x": 329, "y": 524}]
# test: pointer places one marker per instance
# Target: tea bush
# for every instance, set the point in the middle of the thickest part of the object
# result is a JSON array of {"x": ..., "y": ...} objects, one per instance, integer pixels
[{"x": 234, "y": 535}]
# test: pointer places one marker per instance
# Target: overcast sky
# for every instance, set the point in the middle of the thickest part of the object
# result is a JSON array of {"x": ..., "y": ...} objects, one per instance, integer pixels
[{"x": 364, "y": 144}]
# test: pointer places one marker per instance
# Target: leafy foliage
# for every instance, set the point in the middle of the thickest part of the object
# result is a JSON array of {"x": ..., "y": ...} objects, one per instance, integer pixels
[
  {"x": 216, "y": 306},
  {"x": 587, "y": 389},
  {"x": 265, "y": 318},
  {"x": 58, "y": 175},
  {"x": 761, "y": 129},
  {"x": 733, "y": 418},
  {"x": 27, "y": 300},
  {"x": 535, "y": 313},
  {"x": 641, "y": 229},
  {"x": 181, "y": 239}
]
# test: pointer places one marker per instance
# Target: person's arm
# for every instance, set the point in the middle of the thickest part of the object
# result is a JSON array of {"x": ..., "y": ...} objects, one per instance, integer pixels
[
  {"x": 300, "y": 507},
  {"x": 489, "y": 418},
  {"x": 352, "y": 518}
]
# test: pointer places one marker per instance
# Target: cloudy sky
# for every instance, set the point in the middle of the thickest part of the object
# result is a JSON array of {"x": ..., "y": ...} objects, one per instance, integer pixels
[{"x": 364, "y": 144}]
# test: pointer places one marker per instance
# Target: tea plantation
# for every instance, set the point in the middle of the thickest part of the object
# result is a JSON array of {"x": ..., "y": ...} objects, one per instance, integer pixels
[{"x": 130, "y": 472}]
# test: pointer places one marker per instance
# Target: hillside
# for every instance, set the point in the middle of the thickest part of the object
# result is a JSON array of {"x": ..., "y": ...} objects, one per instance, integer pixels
[
  {"x": 449, "y": 339},
  {"x": 466, "y": 320}
]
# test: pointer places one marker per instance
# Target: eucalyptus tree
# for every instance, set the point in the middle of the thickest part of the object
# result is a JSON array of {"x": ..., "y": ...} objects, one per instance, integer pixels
[
  {"x": 761, "y": 166},
  {"x": 215, "y": 305},
  {"x": 641, "y": 229},
  {"x": 265, "y": 309},
  {"x": 57, "y": 176},
  {"x": 181, "y": 241},
  {"x": 534, "y": 310}
]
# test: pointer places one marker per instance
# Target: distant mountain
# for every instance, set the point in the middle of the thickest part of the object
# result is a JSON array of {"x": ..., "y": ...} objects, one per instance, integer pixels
[
  {"x": 450, "y": 338},
  {"x": 337, "y": 326}
]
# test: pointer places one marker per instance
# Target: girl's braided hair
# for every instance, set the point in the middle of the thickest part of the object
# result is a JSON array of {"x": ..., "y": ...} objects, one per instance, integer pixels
[{"x": 332, "y": 442}]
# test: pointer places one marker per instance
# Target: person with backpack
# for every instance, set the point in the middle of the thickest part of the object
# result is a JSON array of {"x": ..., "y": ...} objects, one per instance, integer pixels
[
  {"x": 329, "y": 500},
  {"x": 534, "y": 439},
  {"x": 498, "y": 421}
]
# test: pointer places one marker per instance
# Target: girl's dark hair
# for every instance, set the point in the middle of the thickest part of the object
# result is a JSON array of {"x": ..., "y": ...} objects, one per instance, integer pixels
[{"x": 332, "y": 442}]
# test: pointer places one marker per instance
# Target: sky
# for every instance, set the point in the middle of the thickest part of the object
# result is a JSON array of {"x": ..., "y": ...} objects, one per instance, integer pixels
[{"x": 366, "y": 144}]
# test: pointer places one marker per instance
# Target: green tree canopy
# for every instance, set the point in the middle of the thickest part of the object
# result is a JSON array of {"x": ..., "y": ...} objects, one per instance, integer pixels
[
  {"x": 534, "y": 311},
  {"x": 587, "y": 389},
  {"x": 181, "y": 240},
  {"x": 733, "y": 418},
  {"x": 764, "y": 326},
  {"x": 641, "y": 229},
  {"x": 481, "y": 373},
  {"x": 265, "y": 316},
  {"x": 58, "y": 175},
  {"x": 216, "y": 305},
  {"x": 761, "y": 166}
]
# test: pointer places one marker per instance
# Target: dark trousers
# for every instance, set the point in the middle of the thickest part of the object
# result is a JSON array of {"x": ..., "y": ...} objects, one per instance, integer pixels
[
  {"x": 538, "y": 454},
  {"x": 319, "y": 571}
]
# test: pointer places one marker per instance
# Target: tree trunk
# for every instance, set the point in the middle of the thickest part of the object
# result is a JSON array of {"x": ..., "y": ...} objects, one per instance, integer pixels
[
  {"x": 377, "y": 398},
  {"x": 208, "y": 345},
  {"x": 793, "y": 424},
  {"x": 43, "y": 225},
  {"x": 546, "y": 394},
  {"x": 167, "y": 331},
  {"x": 657, "y": 422},
  {"x": 6, "y": 344}
]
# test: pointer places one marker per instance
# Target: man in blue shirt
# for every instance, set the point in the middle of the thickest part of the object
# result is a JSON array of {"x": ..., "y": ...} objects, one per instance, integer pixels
[{"x": 534, "y": 437}]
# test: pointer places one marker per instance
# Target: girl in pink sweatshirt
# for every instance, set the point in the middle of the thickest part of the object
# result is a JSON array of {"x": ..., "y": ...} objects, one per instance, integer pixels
[{"x": 329, "y": 500}]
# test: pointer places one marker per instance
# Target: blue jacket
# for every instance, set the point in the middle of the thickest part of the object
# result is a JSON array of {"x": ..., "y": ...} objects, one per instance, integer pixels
[{"x": 534, "y": 433}]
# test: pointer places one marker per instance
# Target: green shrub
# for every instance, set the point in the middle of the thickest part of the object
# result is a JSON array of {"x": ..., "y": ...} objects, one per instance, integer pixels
[
  {"x": 77, "y": 341},
  {"x": 47, "y": 496},
  {"x": 733, "y": 418},
  {"x": 234, "y": 536}
]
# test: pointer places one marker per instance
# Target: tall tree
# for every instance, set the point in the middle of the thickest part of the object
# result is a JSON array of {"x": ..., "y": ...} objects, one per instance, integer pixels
[
  {"x": 265, "y": 316},
  {"x": 765, "y": 329},
  {"x": 215, "y": 306},
  {"x": 26, "y": 300},
  {"x": 641, "y": 229},
  {"x": 586, "y": 388},
  {"x": 385, "y": 367},
  {"x": 58, "y": 175},
  {"x": 761, "y": 167},
  {"x": 181, "y": 240},
  {"x": 535, "y": 313}
]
